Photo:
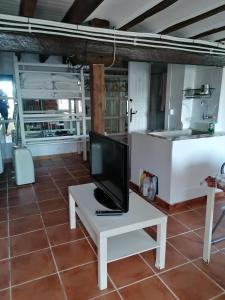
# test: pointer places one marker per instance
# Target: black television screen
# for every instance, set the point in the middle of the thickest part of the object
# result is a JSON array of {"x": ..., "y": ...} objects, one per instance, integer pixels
[{"x": 109, "y": 168}]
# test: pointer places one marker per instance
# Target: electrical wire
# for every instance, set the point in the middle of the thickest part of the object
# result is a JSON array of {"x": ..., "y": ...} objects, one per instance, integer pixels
[{"x": 114, "y": 53}]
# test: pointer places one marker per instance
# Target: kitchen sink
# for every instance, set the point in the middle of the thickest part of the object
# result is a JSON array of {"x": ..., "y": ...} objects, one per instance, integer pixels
[{"x": 172, "y": 134}]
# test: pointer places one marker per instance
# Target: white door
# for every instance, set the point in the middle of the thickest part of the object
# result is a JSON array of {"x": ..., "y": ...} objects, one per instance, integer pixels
[{"x": 139, "y": 76}]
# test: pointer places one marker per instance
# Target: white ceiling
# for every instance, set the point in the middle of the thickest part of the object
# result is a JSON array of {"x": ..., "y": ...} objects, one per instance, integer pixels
[
  {"x": 179, "y": 11},
  {"x": 51, "y": 9},
  {"x": 207, "y": 24},
  {"x": 120, "y": 12}
]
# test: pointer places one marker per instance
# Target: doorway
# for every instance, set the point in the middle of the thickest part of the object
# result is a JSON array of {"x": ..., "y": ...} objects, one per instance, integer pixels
[
  {"x": 156, "y": 115},
  {"x": 7, "y": 90}
]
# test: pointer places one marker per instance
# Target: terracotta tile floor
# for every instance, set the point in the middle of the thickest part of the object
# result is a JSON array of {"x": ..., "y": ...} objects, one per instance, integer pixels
[{"x": 41, "y": 258}]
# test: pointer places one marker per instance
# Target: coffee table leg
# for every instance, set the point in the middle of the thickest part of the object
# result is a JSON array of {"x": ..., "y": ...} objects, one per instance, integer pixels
[
  {"x": 102, "y": 262},
  {"x": 161, "y": 250},
  {"x": 72, "y": 211}
]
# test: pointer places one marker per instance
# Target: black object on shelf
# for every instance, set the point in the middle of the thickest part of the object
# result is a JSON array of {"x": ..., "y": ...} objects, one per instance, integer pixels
[{"x": 197, "y": 93}]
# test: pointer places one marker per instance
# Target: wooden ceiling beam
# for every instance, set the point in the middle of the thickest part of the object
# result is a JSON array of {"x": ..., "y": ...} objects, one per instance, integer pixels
[
  {"x": 27, "y": 8},
  {"x": 149, "y": 13},
  {"x": 208, "y": 32},
  {"x": 193, "y": 20},
  {"x": 220, "y": 40},
  {"x": 80, "y": 10},
  {"x": 43, "y": 58},
  {"x": 84, "y": 50},
  {"x": 100, "y": 23}
]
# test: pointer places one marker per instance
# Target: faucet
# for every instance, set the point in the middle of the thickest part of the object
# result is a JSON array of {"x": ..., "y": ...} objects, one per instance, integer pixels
[{"x": 206, "y": 116}]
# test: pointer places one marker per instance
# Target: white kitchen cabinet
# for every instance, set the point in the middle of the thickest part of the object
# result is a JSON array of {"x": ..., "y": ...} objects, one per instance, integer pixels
[{"x": 180, "y": 163}]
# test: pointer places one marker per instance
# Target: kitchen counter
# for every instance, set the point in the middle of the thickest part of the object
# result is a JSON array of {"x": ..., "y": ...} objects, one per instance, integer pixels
[
  {"x": 180, "y": 161},
  {"x": 183, "y": 134}
]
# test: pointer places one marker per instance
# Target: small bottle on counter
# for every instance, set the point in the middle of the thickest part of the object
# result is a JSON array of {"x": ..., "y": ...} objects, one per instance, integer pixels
[
  {"x": 146, "y": 185},
  {"x": 211, "y": 128}
]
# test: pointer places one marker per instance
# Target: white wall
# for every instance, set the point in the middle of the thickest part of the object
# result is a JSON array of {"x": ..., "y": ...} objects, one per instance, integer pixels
[
  {"x": 192, "y": 161},
  {"x": 153, "y": 155},
  {"x": 181, "y": 166},
  {"x": 193, "y": 108},
  {"x": 174, "y": 94},
  {"x": 43, "y": 149},
  {"x": 187, "y": 104},
  {"x": 220, "y": 126},
  {"x": 6, "y": 63}
]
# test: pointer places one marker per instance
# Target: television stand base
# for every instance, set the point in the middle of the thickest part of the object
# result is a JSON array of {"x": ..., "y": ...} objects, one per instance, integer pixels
[{"x": 104, "y": 199}]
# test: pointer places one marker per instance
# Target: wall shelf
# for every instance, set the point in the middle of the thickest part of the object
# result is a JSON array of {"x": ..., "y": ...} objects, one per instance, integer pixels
[{"x": 197, "y": 93}]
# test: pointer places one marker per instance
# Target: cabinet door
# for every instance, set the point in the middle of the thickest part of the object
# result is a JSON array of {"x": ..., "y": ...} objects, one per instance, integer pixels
[{"x": 139, "y": 75}]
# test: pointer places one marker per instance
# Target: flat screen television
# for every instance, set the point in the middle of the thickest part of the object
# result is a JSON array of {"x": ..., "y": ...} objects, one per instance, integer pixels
[{"x": 109, "y": 168}]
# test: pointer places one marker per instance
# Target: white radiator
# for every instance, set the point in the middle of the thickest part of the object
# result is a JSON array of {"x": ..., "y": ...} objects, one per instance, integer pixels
[{"x": 24, "y": 166}]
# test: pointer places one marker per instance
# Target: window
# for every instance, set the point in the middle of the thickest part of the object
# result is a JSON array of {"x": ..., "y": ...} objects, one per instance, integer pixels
[{"x": 6, "y": 85}]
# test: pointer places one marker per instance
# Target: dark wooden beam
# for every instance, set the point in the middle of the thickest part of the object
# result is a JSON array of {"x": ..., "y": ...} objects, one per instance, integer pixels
[
  {"x": 18, "y": 55},
  {"x": 149, "y": 13},
  {"x": 193, "y": 20},
  {"x": 27, "y": 8},
  {"x": 99, "y": 23},
  {"x": 97, "y": 84},
  {"x": 43, "y": 58},
  {"x": 90, "y": 58},
  {"x": 80, "y": 10},
  {"x": 208, "y": 32},
  {"x": 66, "y": 46},
  {"x": 220, "y": 40}
]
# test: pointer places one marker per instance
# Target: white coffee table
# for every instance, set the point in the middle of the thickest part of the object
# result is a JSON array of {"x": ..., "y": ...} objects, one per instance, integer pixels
[{"x": 118, "y": 237}]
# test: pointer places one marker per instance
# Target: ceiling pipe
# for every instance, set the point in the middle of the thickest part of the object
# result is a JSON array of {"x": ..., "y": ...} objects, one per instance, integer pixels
[{"x": 150, "y": 40}]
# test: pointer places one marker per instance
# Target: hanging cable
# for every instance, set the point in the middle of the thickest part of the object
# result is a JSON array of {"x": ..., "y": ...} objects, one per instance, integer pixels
[{"x": 114, "y": 52}]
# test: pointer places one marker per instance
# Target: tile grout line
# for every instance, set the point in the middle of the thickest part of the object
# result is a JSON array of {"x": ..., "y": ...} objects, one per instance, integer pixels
[
  {"x": 48, "y": 275},
  {"x": 74, "y": 177},
  {"x": 38, "y": 213},
  {"x": 171, "y": 245},
  {"x": 78, "y": 266},
  {"x": 108, "y": 293},
  {"x": 35, "y": 230},
  {"x": 58, "y": 189},
  {"x": 162, "y": 271},
  {"x": 113, "y": 284},
  {"x": 190, "y": 229},
  {"x": 9, "y": 241},
  {"x": 185, "y": 225},
  {"x": 45, "y": 248},
  {"x": 53, "y": 257},
  {"x": 137, "y": 281},
  {"x": 166, "y": 285},
  {"x": 157, "y": 275},
  {"x": 209, "y": 277},
  {"x": 192, "y": 262},
  {"x": 216, "y": 297},
  {"x": 181, "y": 212},
  {"x": 35, "y": 201},
  {"x": 34, "y": 279}
]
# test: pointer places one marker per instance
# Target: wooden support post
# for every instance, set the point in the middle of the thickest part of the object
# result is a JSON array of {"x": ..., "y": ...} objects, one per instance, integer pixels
[{"x": 97, "y": 97}]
